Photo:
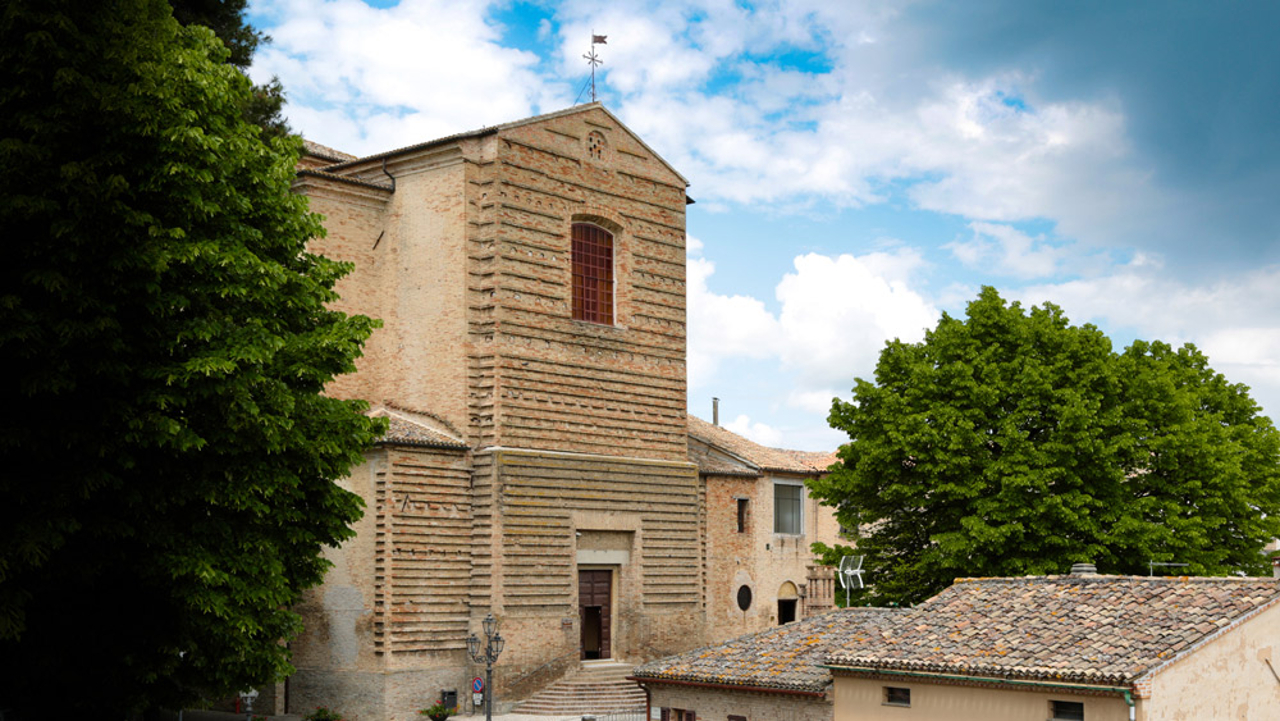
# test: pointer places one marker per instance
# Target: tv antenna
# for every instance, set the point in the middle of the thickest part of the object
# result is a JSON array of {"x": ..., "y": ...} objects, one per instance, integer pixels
[
  {"x": 594, "y": 60},
  {"x": 850, "y": 568}
]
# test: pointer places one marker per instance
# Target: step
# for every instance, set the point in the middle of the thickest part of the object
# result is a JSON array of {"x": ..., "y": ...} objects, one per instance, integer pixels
[{"x": 598, "y": 687}]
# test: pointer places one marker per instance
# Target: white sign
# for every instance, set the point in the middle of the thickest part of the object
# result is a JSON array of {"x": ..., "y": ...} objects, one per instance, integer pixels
[{"x": 476, "y": 700}]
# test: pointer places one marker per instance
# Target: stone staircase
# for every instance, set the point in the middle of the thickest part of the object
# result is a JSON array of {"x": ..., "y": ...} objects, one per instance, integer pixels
[{"x": 599, "y": 687}]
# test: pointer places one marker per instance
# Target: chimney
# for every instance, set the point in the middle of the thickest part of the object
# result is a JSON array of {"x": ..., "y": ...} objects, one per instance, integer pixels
[
  {"x": 1084, "y": 569},
  {"x": 715, "y": 411}
]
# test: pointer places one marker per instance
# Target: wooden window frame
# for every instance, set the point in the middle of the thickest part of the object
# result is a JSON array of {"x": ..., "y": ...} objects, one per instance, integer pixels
[{"x": 593, "y": 273}]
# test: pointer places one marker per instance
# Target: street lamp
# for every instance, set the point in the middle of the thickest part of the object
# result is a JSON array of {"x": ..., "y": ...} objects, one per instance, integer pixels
[{"x": 492, "y": 649}]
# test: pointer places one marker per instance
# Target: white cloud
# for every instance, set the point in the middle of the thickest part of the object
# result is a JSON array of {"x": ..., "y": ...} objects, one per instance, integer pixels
[
  {"x": 723, "y": 325},
  {"x": 366, "y": 79},
  {"x": 838, "y": 312},
  {"x": 758, "y": 432},
  {"x": 1220, "y": 317},
  {"x": 818, "y": 402},
  {"x": 1005, "y": 250},
  {"x": 698, "y": 79}
]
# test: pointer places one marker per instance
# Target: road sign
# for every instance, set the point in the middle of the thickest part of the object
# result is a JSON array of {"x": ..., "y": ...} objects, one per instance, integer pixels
[{"x": 477, "y": 685}]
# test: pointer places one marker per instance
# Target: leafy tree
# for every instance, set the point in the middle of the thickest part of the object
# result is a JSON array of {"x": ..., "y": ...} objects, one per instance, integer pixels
[
  {"x": 1013, "y": 443},
  {"x": 168, "y": 456},
  {"x": 226, "y": 19}
]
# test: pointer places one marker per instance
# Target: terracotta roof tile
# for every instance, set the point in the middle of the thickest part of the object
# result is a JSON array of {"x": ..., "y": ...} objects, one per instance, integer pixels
[
  {"x": 325, "y": 152},
  {"x": 782, "y": 657},
  {"x": 770, "y": 459},
  {"x": 1099, "y": 629},
  {"x": 417, "y": 429}
]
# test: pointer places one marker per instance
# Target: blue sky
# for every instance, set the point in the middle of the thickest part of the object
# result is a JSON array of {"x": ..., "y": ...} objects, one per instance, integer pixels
[{"x": 860, "y": 168}]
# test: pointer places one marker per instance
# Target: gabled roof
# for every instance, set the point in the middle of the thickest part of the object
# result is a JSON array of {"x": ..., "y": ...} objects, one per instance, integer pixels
[
  {"x": 412, "y": 428},
  {"x": 324, "y": 152},
  {"x": 1082, "y": 629},
  {"x": 753, "y": 454},
  {"x": 785, "y": 657},
  {"x": 507, "y": 126}
]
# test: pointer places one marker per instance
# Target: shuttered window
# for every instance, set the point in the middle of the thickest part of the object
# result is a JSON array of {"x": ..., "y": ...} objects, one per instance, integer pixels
[{"x": 592, "y": 273}]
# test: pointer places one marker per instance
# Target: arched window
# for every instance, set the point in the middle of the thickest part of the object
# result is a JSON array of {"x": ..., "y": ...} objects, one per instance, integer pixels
[{"x": 592, "y": 273}]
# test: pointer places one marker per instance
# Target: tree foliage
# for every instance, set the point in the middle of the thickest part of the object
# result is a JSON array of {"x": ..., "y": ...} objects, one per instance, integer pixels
[
  {"x": 225, "y": 18},
  {"x": 168, "y": 456},
  {"x": 1013, "y": 443}
]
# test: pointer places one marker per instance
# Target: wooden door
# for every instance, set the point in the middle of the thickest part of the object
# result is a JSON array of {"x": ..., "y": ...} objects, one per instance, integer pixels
[{"x": 595, "y": 603}]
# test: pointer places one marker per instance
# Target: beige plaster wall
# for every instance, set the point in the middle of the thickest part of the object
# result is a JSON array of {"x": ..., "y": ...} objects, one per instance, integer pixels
[
  {"x": 858, "y": 699},
  {"x": 718, "y": 704},
  {"x": 1227, "y": 678}
]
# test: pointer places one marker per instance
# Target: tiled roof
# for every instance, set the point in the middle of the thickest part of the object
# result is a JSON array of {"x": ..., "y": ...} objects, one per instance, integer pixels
[
  {"x": 416, "y": 429},
  {"x": 771, "y": 459},
  {"x": 1084, "y": 629},
  {"x": 343, "y": 179},
  {"x": 783, "y": 657},
  {"x": 818, "y": 459},
  {"x": 325, "y": 152}
]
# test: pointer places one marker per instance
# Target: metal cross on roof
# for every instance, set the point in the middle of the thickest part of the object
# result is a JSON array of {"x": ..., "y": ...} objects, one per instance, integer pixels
[{"x": 594, "y": 60}]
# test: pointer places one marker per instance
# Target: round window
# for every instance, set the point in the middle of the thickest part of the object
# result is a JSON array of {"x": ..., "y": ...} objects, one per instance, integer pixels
[{"x": 744, "y": 598}]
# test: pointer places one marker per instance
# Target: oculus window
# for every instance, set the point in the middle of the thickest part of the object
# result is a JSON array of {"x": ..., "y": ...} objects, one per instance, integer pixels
[
  {"x": 592, "y": 274},
  {"x": 787, "y": 513}
]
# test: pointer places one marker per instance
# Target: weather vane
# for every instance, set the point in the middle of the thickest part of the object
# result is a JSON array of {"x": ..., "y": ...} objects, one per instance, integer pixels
[{"x": 594, "y": 60}]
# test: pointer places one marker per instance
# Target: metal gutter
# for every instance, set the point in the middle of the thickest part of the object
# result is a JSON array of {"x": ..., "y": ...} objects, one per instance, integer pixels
[
  {"x": 727, "y": 686},
  {"x": 1126, "y": 691}
]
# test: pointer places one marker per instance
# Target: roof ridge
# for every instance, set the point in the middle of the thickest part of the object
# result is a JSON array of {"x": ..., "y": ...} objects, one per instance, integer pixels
[{"x": 1100, "y": 577}]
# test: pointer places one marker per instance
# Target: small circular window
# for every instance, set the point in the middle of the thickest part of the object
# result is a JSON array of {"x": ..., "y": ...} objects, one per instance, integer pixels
[{"x": 744, "y": 598}]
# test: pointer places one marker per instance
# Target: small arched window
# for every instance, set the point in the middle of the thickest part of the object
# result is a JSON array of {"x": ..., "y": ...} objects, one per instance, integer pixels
[{"x": 592, "y": 273}]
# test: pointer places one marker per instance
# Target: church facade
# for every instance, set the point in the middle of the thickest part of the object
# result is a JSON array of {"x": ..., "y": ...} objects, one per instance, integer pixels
[{"x": 530, "y": 278}]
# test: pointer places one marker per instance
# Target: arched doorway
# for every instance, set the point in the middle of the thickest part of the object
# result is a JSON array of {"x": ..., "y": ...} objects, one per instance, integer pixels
[{"x": 788, "y": 602}]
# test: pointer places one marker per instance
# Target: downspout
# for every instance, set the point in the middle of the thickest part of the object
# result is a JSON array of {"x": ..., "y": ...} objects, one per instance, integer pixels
[{"x": 389, "y": 175}]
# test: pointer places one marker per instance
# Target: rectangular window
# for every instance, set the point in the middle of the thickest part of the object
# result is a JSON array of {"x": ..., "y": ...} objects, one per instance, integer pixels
[
  {"x": 678, "y": 714},
  {"x": 592, "y": 273},
  {"x": 742, "y": 515},
  {"x": 894, "y": 696},
  {"x": 1066, "y": 710},
  {"x": 787, "y": 514}
]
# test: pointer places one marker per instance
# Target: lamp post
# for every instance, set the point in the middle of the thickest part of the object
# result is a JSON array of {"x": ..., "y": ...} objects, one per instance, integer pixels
[{"x": 492, "y": 649}]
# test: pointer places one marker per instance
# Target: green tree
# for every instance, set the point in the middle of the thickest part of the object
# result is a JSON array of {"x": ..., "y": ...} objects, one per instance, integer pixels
[
  {"x": 1013, "y": 443},
  {"x": 225, "y": 18},
  {"x": 168, "y": 456}
]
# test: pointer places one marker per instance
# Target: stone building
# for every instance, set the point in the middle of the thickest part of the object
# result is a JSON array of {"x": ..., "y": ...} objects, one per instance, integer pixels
[
  {"x": 1071, "y": 648},
  {"x": 531, "y": 282},
  {"x": 1082, "y": 647},
  {"x": 773, "y": 674},
  {"x": 760, "y": 524}
]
